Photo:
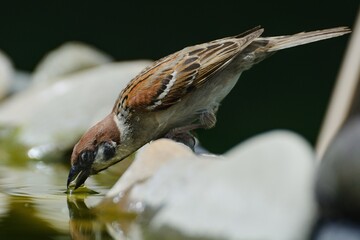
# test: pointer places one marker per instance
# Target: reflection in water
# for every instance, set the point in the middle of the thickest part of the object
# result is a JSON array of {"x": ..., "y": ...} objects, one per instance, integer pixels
[
  {"x": 34, "y": 204},
  {"x": 104, "y": 221},
  {"x": 21, "y": 222},
  {"x": 82, "y": 223}
]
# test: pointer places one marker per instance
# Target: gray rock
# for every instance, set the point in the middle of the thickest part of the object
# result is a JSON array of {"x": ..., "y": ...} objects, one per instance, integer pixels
[
  {"x": 338, "y": 180},
  {"x": 338, "y": 230},
  {"x": 262, "y": 189},
  {"x": 67, "y": 59},
  {"x": 51, "y": 117},
  {"x": 20, "y": 81}
]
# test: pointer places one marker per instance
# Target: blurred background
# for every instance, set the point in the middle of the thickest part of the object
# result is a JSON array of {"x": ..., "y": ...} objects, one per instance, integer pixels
[{"x": 290, "y": 90}]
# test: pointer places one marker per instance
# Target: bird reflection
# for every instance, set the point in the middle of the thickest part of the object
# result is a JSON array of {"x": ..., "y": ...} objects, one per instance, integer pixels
[
  {"x": 104, "y": 221},
  {"x": 83, "y": 222}
]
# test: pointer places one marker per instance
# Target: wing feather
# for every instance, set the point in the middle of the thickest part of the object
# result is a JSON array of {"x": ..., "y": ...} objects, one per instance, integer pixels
[{"x": 171, "y": 78}]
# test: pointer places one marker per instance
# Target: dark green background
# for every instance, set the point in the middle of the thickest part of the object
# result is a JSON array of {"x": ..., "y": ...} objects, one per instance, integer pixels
[{"x": 289, "y": 91}]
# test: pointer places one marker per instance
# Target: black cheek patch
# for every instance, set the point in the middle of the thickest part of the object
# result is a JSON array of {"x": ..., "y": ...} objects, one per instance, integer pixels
[
  {"x": 86, "y": 159},
  {"x": 109, "y": 151}
]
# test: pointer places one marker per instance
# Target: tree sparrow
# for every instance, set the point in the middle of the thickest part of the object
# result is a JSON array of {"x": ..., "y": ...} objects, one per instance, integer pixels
[{"x": 176, "y": 94}]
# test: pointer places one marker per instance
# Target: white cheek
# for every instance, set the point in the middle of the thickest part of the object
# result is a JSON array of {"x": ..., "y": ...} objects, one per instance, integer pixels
[{"x": 123, "y": 128}]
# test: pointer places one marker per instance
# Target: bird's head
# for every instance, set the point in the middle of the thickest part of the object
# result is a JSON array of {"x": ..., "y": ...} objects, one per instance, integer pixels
[{"x": 95, "y": 151}]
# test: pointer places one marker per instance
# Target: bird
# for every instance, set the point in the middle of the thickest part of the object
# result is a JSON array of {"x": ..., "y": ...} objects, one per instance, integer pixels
[{"x": 177, "y": 94}]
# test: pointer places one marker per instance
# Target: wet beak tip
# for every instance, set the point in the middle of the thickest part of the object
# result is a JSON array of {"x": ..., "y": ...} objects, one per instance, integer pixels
[
  {"x": 73, "y": 175},
  {"x": 77, "y": 178}
]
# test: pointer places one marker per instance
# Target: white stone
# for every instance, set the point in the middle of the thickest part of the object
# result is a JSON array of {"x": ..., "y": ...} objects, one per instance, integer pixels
[
  {"x": 147, "y": 161},
  {"x": 67, "y": 59},
  {"x": 52, "y": 117},
  {"x": 262, "y": 189},
  {"x": 6, "y": 73}
]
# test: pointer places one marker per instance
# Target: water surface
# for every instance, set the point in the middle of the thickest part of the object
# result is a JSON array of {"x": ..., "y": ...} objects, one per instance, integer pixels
[{"x": 34, "y": 203}]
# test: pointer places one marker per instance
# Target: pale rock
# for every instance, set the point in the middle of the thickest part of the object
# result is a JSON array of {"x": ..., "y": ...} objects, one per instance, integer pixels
[
  {"x": 6, "y": 74},
  {"x": 52, "y": 117},
  {"x": 67, "y": 59},
  {"x": 262, "y": 189},
  {"x": 147, "y": 161}
]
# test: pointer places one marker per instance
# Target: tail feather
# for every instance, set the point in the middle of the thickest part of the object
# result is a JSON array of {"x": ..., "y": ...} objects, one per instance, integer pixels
[{"x": 282, "y": 42}]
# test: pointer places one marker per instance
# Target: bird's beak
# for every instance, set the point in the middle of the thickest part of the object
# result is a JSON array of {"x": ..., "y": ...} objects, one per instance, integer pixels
[{"x": 77, "y": 176}]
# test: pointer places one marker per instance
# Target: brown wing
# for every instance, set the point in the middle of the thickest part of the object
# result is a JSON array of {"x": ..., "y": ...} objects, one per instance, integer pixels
[{"x": 169, "y": 79}]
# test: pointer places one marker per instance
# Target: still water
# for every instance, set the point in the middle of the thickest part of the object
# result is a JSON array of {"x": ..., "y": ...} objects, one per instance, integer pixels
[{"x": 34, "y": 203}]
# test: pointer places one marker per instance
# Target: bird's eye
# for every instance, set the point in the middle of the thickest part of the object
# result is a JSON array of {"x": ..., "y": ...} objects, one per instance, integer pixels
[
  {"x": 108, "y": 150},
  {"x": 86, "y": 157}
]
